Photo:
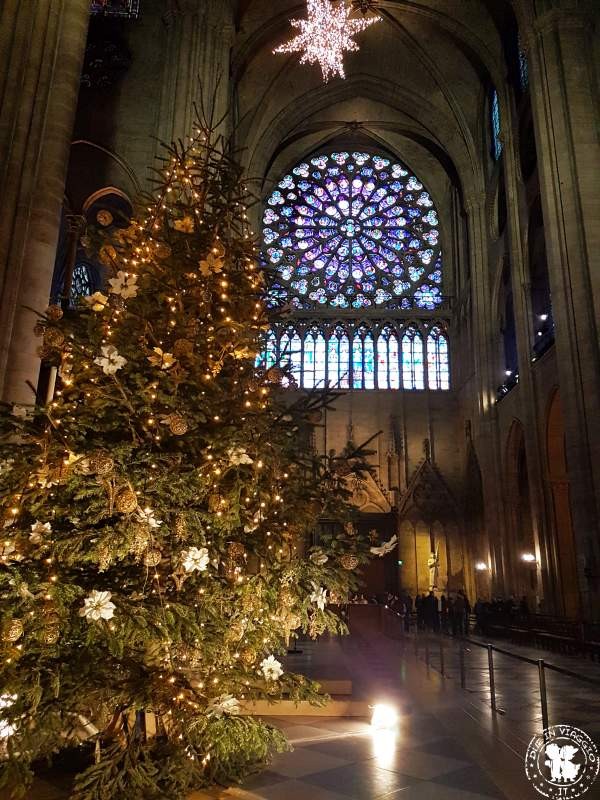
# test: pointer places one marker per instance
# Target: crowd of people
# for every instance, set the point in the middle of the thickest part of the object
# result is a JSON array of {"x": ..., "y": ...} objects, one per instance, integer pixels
[{"x": 450, "y": 614}]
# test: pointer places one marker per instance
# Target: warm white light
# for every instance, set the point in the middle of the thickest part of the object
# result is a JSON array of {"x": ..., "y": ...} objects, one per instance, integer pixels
[
  {"x": 384, "y": 717},
  {"x": 481, "y": 566},
  {"x": 543, "y": 317},
  {"x": 508, "y": 372},
  {"x": 325, "y": 35},
  {"x": 528, "y": 557}
]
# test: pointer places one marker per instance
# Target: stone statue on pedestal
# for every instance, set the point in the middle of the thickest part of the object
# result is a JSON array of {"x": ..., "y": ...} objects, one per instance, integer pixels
[{"x": 433, "y": 564}]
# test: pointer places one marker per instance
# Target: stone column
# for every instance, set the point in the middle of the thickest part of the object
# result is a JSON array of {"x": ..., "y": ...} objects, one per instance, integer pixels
[
  {"x": 532, "y": 427},
  {"x": 197, "y": 66},
  {"x": 42, "y": 43},
  {"x": 485, "y": 430},
  {"x": 565, "y": 101}
]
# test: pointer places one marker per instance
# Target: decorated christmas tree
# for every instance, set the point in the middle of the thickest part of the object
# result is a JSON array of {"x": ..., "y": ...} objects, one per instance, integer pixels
[{"x": 160, "y": 515}]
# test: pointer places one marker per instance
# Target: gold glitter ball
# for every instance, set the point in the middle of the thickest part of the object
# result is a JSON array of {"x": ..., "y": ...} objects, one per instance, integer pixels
[
  {"x": 126, "y": 501},
  {"x": 152, "y": 557},
  {"x": 178, "y": 425},
  {"x": 54, "y": 313},
  {"x": 13, "y": 631},
  {"x": 101, "y": 463},
  {"x": 51, "y": 634},
  {"x": 349, "y": 561}
]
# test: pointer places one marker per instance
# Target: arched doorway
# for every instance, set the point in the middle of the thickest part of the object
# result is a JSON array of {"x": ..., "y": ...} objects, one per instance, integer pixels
[{"x": 558, "y": 478}]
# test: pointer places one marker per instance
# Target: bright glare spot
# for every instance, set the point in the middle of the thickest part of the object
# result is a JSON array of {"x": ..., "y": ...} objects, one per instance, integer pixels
[
  {"x": 481, "y": 566},
  {"x": 384, "y": 747},
  {"x": 529, "y": 557},
  {"x": 384, "y": 717}
]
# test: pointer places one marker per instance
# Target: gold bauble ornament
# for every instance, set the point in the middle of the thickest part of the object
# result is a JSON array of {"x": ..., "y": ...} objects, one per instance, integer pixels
[
  {"x": 139, "y": 541},
  {"x": 236, "y": 550},
  {"x": 51, "y": 634},
  {"x": 126, "y": 501},
  {"x": 54, "y": 313},
  {"x": 101, "y": 463},
  {"x": 13, "y": 631},
  {"x": 349, "y": 561},
  {"x": 182, "y": 348},
  {"x": 104, "y": 557},
  {"x": 178, "y": 425},
  {"x": 162, "y": 250},
  {"x": 248, "y": 656},
  {"x": 235, "y": 631},
  {"x": 181, "y": 528},
  {"x": 152, "y": 557},
  {"x": 286, "y": 598}
]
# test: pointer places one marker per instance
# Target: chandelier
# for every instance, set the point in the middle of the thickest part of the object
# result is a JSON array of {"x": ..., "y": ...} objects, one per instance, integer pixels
[{"x": 324, "y": 37}]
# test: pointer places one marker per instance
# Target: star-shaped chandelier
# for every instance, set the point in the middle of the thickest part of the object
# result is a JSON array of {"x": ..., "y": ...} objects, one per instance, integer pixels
[{"x": 325, "y": 35}]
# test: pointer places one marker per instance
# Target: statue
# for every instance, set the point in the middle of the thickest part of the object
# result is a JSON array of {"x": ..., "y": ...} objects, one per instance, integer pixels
[{"x": 433, "y": 564}]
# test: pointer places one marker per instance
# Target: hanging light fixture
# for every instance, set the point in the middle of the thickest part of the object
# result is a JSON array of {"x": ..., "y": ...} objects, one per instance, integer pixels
[{"x": 324, "y": 37}]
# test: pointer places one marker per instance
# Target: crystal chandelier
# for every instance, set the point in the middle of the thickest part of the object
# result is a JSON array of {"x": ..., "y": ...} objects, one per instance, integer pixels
[{"x": 325, "y": 35}]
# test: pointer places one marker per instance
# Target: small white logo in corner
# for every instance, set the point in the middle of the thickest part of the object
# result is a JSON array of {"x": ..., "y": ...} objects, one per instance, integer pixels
[{"x": 562, "y": 763}]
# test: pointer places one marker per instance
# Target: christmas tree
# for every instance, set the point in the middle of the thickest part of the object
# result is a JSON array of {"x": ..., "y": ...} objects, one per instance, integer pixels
[{"x": 158, "y": 512}]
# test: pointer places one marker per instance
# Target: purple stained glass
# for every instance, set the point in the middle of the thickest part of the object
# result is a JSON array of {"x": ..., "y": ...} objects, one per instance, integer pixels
[{"x": 346, "y": 225}]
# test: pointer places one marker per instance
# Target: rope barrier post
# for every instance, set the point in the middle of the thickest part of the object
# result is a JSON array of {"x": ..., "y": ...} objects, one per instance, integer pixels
[
  {"x": 442, "y": 667},
  {"x": 461, "y": 655},
  {"x": 427, "y": 652},
  {"x": 490, "y": 650},
  {"x": 543, "y": 695}
]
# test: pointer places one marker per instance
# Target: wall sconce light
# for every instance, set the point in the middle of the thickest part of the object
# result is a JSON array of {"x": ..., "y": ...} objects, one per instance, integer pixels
[
  {"x": 481, "y": 566},
  {"x": 543, "y": 317},
  {"x": 529, "y": 558}
]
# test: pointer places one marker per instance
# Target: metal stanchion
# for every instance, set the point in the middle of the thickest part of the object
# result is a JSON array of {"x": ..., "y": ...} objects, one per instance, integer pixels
[
  {"x": 427, "y": 652},
  {"x": 543, "y": 696},
  {"x": 461, "y": 655},
  {"x": 442, "y": 669},
  {"x": 490, "y": 650}
]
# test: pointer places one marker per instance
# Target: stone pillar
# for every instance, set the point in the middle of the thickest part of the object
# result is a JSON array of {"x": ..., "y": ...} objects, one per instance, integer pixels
[
  {"x": 197, "y": 66},
  {"x": 42, "y": 43},
  {"x": 564, "y": 94},
  {"x": 485, "y": 431},
  {"x": 529, "y": 407}
]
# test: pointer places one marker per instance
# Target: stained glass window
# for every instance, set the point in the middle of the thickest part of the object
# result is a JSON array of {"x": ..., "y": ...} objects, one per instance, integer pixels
[
  {"x": 496, "y": 125},
  {"x": 81, "y": 285},
  {"x": 413, "y": 373},
  {"x": 116, "y": 8},
  {"x": 523, "y": 67},
  {"x": 358, "y": 356},
  {"x": 438, "y": 370},
  {"x": 352, "y": 231}
]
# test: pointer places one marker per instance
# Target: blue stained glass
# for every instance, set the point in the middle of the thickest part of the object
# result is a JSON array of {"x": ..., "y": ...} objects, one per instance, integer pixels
[
  {"x": 369, "y": 362},
  {"x": 357, "y": 362},
  {"x": 326, "y": 215},
  {"x": 496, "y": 125}
]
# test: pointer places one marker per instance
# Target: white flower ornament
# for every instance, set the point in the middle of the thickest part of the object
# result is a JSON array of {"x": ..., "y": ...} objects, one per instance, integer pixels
[
  {"x": 271, "y": 668},
  {"x": 38, "y": 531},
  {"x": 97, "y": 606},
  {"x": 196, "y": 559},
  {"x": 124, "y": 284},
  {"x": 319, "y": 596},
  {"x": 110, "y": 360}
]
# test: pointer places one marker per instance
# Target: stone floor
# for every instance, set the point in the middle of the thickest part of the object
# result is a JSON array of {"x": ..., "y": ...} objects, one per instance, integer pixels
[{"x": 448, "y": 746}]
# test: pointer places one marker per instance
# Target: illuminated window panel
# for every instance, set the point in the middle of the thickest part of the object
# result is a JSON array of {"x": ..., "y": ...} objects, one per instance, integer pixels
[
  {"x": 352, "y": 230},
  {"x": 357, "y": 362},
  {"x": 308, "y": 362},
  {"x": 383, "y": 381},
  {"x": 344, "y": 362},
  {"x": 369, "y": 362},
  {"x": 413, "y": 372},
  {"x": 438, "y": 372},
  {"x": 496, "y": 125},
  {"x": 393, "y": 362},
  {"x": 320, "y": 362}
]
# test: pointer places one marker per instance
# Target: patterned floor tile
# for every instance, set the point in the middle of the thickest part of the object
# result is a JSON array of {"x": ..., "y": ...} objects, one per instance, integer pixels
[{"x": 361, "y": 781}]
